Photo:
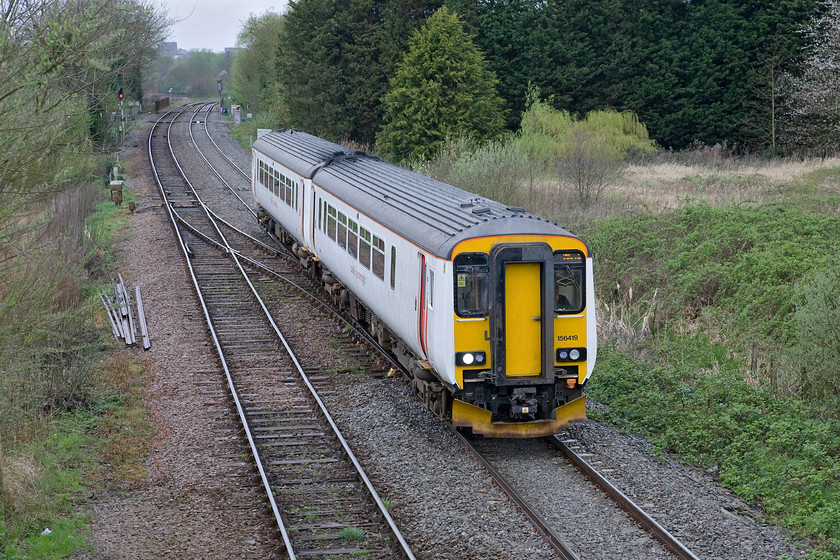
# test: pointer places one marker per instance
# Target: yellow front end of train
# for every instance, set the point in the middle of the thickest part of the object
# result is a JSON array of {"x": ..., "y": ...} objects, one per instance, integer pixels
[{"x": 523, "y": 334}]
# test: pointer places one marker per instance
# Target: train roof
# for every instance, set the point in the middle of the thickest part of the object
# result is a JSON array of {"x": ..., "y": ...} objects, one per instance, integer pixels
[{"x": 433, "y": 215}]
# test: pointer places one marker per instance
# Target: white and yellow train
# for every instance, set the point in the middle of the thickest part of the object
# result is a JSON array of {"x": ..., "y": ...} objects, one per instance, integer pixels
[{"x": 490, "y": 308}]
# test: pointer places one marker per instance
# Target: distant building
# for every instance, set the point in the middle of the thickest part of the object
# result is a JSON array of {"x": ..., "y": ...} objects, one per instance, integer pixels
[
  {"x": 231, "y": 50},
  {"x": 169, "y": 48}
]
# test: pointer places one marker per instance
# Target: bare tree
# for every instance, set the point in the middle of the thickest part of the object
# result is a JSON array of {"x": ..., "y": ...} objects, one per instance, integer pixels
[
  {"x": 813, "y": 97},
  {"x": 588, "y": 165}
]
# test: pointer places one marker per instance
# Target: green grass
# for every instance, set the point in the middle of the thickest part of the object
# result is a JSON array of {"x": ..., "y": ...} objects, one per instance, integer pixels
[
  {"x": 352, "y": 533},
  {"x": 246, "y": 133},
  {"x": 696, "y": 403},
  {"x": 46, "y": 479},
  {"x": 731, "y": 270}
]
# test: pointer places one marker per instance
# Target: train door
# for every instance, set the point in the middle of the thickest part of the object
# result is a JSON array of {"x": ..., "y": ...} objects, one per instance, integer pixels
[
  {"x": 523, "y": 318},
  {"x": 313, "y": 216},
  {"x": 421, "y": 311},
  {"x": 430, "y": 309}
]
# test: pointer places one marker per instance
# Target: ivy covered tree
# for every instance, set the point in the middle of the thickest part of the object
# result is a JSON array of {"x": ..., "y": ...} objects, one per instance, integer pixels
[
  {"x": 442, "y": 89},
  {"x": 254, "y": 67}
]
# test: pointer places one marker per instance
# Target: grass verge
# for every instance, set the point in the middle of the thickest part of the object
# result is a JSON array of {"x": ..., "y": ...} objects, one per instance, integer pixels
[
  {"x": 768, "y": 449},
  {"x": 45, "y": 480},
  {"x": 73, "y": 420}
]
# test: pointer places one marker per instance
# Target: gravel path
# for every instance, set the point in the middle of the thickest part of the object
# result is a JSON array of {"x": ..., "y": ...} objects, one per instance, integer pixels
[{"x": 445, "y": 506}]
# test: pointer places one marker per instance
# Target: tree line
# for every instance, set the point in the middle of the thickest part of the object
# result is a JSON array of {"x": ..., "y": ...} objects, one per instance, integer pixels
[{"x": 709, "y": 71}]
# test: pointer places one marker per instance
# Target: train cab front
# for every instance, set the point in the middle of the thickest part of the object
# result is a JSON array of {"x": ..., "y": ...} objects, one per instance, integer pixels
[{"x": 521, "y": 334}]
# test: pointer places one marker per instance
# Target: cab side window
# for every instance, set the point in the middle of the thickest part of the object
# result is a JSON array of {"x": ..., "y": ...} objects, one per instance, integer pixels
[
  {"x": 569, "y": 294},
  {"x": 472, "y": 284}
]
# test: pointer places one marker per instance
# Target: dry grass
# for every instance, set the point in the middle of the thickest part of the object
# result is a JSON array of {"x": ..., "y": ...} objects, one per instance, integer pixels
[
  {"x": 668, "y": 185},
  {"x": 624, "y": 322},
  {"x": 125, "y": 431},
  {"x": 20, "y": 482}
]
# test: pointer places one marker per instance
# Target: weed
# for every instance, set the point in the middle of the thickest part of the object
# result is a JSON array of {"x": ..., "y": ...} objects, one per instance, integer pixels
[{"x": 352, "y": 533}]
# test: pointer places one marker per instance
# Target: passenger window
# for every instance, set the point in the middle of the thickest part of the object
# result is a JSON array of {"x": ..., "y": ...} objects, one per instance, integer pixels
[
  {"x": 472, "y": 284},
  {"x": 431, "y": 289},
  {"x": 569, "y": 294},
  {"x": 364, "y": 248},
  {"x": 331, "y": 223},
  {"x": 342, "y": 230},
  {"x": 353, "y": 238},
  {"x": 378, "y": 258}
]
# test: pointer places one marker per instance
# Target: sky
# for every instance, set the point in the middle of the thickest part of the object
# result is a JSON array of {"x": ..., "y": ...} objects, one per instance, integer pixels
[{"x": 213, "y": 24}]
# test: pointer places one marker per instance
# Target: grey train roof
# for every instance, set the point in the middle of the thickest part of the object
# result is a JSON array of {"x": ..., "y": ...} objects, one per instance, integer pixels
[{"x": 433, "y": 215}]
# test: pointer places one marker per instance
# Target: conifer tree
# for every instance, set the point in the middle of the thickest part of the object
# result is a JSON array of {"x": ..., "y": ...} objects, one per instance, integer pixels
[{"x": 442, "y": 89}]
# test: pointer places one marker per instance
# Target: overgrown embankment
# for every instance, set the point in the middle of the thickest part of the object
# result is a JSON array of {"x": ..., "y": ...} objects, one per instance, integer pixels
[
  {"x": 70, "y": 404},
  {"x": 722, "y": 342}
]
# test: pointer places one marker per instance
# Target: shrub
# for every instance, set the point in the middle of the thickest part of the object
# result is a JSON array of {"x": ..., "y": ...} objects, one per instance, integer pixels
[
  {"x": 817, "y": 318},
  {"x": 587, "y": 154},
  {"x": 768, "y": 449}
]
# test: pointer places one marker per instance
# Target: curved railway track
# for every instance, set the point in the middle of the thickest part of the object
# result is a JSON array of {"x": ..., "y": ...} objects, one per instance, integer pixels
[
  {"x": 321, "y": 499},
  {"x": 210, "y": 245}
]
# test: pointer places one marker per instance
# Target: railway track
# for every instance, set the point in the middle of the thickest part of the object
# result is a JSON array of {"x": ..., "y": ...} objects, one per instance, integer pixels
[
  {"x": 321, "y": 499},
  {"x": 280, "y": 279}
]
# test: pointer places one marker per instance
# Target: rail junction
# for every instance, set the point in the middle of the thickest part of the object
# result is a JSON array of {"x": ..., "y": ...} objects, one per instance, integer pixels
[{"x": 318, "y": 491}]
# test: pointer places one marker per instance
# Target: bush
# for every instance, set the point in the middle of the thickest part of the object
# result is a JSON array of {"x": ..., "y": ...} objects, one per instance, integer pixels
[
  {"x": 729, "y": 271},
  {"x": 587, "y": 155},
  {"x": 817, "y": 319}
]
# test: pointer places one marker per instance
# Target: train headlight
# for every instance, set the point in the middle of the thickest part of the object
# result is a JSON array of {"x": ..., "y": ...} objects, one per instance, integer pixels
[
  {"x": 470, "y": 358},
  {"x": 571, "y": 354}
]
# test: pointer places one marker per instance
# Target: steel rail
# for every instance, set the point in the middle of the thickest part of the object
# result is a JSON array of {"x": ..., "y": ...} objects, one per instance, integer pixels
[
  {"x": 360, "y": 471},
  {"x": 654, "y": 529},
  {"x": 559, "y": 545},
  {"x": 368, "y": 484},
  {"x": 212, "y": 168},
  {"x": 224, "y": 155},
  {"x": 240, "y": 410}
]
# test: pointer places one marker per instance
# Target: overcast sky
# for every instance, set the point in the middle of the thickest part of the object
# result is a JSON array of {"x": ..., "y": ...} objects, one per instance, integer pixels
[{"x": 213, "y": 24}]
